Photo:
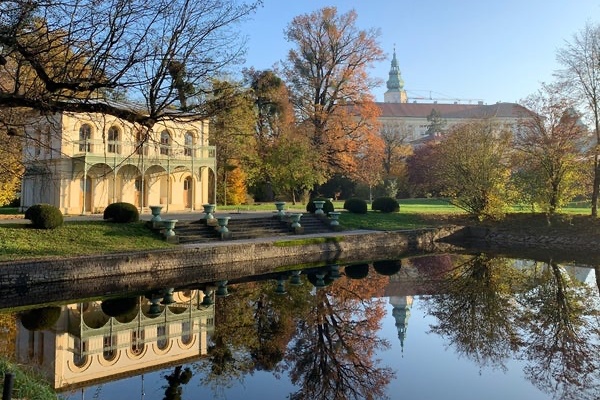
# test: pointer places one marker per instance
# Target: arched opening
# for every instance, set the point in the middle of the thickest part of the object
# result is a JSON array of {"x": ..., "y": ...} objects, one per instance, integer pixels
[
  {"x": 189, "y": 144},
  {"x": 156, "y": 186},
  {"x": 129, "y": 184},
  {"x": 188, "y": 190},
  {"x": 85, "y": 138},
  {"x": 212, "y": 194},
  {"x": 113, "y": 140},
  {"x": 85, "y": 197},
  {"x": 165, "y": 143}
]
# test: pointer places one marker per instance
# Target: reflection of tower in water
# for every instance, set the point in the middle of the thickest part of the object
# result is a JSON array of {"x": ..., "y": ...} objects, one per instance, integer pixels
[{"x": 401, "y": 313}]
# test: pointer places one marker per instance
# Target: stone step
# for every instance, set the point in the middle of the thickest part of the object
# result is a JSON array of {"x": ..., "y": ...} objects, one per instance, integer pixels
[{"x": 249, "y": 228}]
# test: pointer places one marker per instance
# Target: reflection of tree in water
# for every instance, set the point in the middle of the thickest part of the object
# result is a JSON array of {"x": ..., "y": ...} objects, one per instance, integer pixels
[
  {"x": 490, "y": 310},
  {"x": 252, "y": 328},
  {"x": 331, "y": 356},
  {"x": 475, "y": 310},
  {"x": 178, "y": 377},
  {"x": 560, "y": 321},
  {"x": 274, "y": 329}
]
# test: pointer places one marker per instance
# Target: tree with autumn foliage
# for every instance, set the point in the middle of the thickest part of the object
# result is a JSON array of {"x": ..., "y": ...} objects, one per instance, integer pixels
[
  {"x": 472, "y": 167},
  {"x": 420, "y": 164},
  {"x": 232, "y": 127},
  {"x": 11, "y": 167},
  {"x": 330, "y": 88},
  {"x": 551, "y": 143},
  {"x": 292, "y": 166},
  {"x": 236, "y": 188},
  {"x": 66, "y": 55},
  {"x": 396, "y": 149},
  {"x": 274, "y": 123},
  {"x": 369, "y": 168},
  {"x": 581, "y": 77}
]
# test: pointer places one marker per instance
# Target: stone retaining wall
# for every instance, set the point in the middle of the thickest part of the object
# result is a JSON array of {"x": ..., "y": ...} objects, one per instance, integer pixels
[
  {"x": 215, "y": 259},
  {"x": 511, "y": 238},
  {"x": 523, "y": 243}
]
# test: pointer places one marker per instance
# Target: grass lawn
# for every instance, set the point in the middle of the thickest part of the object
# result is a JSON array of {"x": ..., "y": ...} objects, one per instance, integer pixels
[{"x": 20, "y": 241}]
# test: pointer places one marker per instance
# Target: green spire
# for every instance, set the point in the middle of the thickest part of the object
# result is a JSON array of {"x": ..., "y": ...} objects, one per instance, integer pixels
[{"x": 395, "y": 83}]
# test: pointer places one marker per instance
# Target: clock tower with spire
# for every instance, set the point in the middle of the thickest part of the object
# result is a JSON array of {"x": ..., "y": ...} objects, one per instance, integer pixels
[{"x": 395, "y": 85}]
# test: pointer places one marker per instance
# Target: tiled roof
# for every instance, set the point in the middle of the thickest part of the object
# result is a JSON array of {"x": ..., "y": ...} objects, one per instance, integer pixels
[{"x": 423, "y": 110}]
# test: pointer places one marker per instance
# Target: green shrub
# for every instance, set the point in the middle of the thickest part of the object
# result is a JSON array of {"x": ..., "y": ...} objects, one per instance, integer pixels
[
  {"x": 122, "y": 212},
  {"x": 120, "y": 306},
  {"x": 356, "y": 206},
  {"x": 357, "y": 271},
  {"x": 28, "y": 382},
  {"x": 385, "y": 205},
  {"x": 44, "y": 216},
  {"x": 387, "y": 267},
  {"x": 40, "y": 318},
  {"x": 123, "y": 309},
  {"x": 327, "y": 207}
]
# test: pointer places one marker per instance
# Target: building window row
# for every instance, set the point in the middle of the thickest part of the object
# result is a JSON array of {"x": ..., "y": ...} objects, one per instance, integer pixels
[{"x": 114, "y": 138}]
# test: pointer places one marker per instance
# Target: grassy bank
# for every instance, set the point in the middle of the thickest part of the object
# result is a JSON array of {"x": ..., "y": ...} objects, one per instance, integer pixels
[
  {"x": 26, "y": 384},
  {"x": 18, "y": 241}
]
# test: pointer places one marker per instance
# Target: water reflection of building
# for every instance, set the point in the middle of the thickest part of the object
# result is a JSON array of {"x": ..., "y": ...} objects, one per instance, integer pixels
[
  {"x": 86, "y": 346},
  {"x": 401, "y": 313}
]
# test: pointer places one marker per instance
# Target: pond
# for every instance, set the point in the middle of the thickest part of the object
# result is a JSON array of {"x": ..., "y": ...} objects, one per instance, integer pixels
[{"x": 466, "y": 326}]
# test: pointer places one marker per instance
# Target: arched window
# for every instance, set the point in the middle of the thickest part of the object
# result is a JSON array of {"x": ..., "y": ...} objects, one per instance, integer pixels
[
  {"x": 161, "y": 337},
  {"x": 85, "y": 136},
  {"x": 189, "y": 143},
  {"x": 187, "y": 183},
  {"x": 137, "y": 341},
  {"x": 186, "y": 332},
  {"x": 80, "y": 352},
  {"x": 165, "y": 143},
  {"x": 109, "y": 350},
  {"x": 140, "y": 143},
  {"x": 36, "y": 140},
  {"x": 113, "y": 138}
]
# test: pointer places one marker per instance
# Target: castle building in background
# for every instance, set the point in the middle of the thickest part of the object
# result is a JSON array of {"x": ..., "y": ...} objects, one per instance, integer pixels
[
  {"x": 395, "y": 85},
  {"x": 412, "y": 118}
]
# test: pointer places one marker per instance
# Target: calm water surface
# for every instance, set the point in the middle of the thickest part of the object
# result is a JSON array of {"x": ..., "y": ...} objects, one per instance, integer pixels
[{"x": 432, "y": 327}]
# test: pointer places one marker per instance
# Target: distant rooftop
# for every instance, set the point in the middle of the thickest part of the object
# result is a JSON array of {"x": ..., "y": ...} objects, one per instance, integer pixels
[{"x": 454, "y": 110}]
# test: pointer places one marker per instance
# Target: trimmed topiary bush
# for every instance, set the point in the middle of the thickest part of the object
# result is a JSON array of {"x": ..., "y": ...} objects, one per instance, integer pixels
[
  {"x": 40, "y": 318},
  {"x": 120, "y": 306},
  {"x": 357, "y": 271},
  {"x": 122, "y": 212},
  {"x": 44, "y": 216},
  {"x": 385, "y": 205},
  {"x": 387, "y": 267},
  {"x": 327, "y": 207},
  {"x": 123, "y": 309},
  {"x": 356, "y": 206}
]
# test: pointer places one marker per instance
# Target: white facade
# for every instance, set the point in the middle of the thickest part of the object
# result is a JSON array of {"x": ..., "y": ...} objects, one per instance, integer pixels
[
  {"x": 410, "y": 120},
  {"x": 80, "y": 163},
  {"x": 86, "y": 346}
]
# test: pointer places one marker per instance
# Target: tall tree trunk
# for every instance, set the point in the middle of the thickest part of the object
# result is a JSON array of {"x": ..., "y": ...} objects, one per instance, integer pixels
[{"x": 596, "y": 184}]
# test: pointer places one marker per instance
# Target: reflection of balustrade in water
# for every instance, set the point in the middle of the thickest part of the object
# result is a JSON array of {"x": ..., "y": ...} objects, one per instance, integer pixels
[{"x": 88, "y": 345}]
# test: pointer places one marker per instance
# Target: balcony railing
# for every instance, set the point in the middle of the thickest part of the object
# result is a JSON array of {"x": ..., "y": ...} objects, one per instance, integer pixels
[{"x": 118, "y": 149}]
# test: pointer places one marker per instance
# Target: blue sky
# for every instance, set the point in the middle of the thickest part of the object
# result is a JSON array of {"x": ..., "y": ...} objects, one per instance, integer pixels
[{"x": 447, "y": 49}]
